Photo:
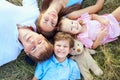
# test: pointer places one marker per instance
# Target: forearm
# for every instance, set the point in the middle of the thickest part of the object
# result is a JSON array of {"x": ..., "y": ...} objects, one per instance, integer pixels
[
  {"x": 96, "y": 43},
  {"x": 91, "y": 9},
  {"x": 96, "y": 17}
]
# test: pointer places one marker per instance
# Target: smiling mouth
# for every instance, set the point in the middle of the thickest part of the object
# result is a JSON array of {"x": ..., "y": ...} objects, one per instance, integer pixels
[{"x": 53, "y": 14}]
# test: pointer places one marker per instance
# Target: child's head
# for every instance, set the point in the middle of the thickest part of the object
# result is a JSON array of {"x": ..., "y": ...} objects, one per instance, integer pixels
[
  {"x": 69, "y": 26},
  {"x": 63, "y": 43}
]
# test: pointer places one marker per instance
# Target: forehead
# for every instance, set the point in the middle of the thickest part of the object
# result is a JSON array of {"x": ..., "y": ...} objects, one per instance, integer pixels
[
  {"x": 66, "y": 25},
  {"x": 61, "y": 42},
  {"x": 40, "y": 49}
]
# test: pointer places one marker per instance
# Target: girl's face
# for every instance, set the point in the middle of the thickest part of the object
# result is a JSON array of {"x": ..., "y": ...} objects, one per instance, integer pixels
[
  {"x": 48, "y": 21},
  {"x": 34, "y": 43},
  {"x": 61, "y": 49},
  {"x": 70, "y": 26}
]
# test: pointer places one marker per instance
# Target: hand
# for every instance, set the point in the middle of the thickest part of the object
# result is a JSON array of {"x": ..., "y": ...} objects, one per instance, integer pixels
[
  {"x": 102, "y": 33},
  {"x": 104, "y": 22}
]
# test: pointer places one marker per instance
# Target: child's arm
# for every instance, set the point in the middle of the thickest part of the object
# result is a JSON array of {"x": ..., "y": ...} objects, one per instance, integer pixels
[
  {"x": 34, "y": 78},
  {"x": 91, "y": 9},
  {"x": 103, "y": 21},
  {"x": 101, "y": 35}
]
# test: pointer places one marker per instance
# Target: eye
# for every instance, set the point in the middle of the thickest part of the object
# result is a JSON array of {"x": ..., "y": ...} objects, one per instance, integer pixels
[
  {"x": 46, "y": 19},
  {"x": 53, "y": 24},
  {"x": 39, "y": 42},
  {"x": 33, "y": 48},
  {"x": 71, "y": 28},
  {"x": 72, "y": 22},
  {"x": 65, "y": 46},
  {"x": 58, "y": 45},
  {"x": 73, "y": 48},
  {"x": 78, "y": 44}
]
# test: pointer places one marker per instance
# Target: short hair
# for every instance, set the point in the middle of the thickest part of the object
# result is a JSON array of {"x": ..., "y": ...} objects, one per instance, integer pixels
[
  {"x": 64, "y": 36},
  {"x": 43, "y": 55}
]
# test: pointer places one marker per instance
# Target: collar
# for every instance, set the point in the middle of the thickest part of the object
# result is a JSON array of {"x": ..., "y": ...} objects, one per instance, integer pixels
[{"x": 55, "y": 61}]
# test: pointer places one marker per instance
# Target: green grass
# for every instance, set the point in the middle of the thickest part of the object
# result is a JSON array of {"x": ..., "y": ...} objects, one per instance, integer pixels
[{"x": 107, "y": 56}]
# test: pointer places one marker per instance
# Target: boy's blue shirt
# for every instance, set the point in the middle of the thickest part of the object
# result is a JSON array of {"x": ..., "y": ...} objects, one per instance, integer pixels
[{"x": 53, "y": 70}]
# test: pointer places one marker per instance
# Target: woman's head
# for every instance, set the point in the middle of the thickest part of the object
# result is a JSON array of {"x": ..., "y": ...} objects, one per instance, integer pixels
[
  {"x": 47, "y": 21},
  {"x": 48, "y": 17},
  {"x": 69, "y": 26}
]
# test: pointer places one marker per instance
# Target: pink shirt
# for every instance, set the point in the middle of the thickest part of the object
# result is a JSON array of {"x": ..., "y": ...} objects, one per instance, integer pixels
[{"x": 93, "y": 27}]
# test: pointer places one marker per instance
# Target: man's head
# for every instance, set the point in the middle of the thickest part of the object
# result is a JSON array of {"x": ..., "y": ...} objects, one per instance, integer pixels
[{"x": 35, "y": 45}]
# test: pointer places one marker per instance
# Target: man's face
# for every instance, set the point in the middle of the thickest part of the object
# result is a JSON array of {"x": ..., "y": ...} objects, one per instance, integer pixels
[{"x": 34, "y": 43}]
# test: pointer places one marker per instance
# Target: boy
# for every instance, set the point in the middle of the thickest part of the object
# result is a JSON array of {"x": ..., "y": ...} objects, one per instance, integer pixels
[{"x": 59, "y": 67}]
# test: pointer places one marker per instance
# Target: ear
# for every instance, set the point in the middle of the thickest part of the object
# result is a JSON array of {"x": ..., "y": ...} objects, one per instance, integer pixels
[{"x": 70, "y": 50}]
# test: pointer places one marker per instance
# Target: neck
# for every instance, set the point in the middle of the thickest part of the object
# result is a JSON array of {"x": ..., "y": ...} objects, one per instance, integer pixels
[
  {"x": 57, "y": 5},
  {"x": 60, "y": 59}
]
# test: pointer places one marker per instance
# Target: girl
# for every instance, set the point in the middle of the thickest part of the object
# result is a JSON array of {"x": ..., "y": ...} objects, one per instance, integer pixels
[{"x": 93, "y": 30}]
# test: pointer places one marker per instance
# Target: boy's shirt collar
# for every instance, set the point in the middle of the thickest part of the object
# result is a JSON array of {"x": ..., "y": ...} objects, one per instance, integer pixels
[{"x": 64, "y": 63}]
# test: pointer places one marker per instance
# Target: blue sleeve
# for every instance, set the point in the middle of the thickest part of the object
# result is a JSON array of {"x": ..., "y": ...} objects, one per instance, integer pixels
[
  {"x": 38, "y": 70},
  {"x": 75, "y": 72},
  {"x": 30, "y": 3}
]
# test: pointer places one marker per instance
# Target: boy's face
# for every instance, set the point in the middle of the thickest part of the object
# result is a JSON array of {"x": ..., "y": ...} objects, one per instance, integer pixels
[
  {"x": 71, "y": 26},
  {"x": 61, "y": 49}
]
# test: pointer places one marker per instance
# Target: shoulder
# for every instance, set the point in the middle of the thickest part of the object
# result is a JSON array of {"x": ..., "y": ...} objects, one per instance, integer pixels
[{"x": 72, "y": 62}]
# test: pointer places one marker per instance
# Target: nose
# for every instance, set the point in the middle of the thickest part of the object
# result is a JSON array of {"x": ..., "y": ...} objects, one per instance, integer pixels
[{"x": 61, "y": 47}]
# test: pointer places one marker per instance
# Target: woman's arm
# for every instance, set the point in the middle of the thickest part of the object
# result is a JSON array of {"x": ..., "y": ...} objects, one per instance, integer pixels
[{"x": 91, "y": 9}]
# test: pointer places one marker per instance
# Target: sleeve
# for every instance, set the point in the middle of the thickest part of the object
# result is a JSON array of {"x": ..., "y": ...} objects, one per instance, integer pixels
[
  {"x": 75, "y": 72},
  {"x": 30, "y": 3},
  {"x": 38, "y": 71}
]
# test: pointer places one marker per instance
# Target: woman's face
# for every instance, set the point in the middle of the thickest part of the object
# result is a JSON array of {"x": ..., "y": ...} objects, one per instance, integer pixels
[
  {"x": 34, "y": 43},
  {"x": 48, "y": 21},
  {"x": 70, "y": 26}
]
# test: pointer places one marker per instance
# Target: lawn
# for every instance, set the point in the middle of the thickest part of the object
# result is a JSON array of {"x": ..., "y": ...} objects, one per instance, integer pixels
[{"x": 107, "y": 56}]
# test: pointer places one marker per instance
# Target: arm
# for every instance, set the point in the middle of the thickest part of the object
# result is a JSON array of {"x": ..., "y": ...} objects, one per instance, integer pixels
[
  {"x": 91, "y": 9},
  {"x": 103, "y": 21},
  {"x": 101, "y": 35},
  {"x": 34, "y": 78},
  {"x": 75, "y": 74}
]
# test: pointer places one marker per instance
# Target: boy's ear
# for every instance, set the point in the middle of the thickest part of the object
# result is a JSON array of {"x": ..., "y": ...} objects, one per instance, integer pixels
[{"x": 70, "y": 50}]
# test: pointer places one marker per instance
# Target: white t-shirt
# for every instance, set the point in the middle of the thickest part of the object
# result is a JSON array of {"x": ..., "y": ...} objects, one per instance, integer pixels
[{"x": 10, "y": 15}]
